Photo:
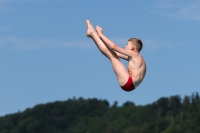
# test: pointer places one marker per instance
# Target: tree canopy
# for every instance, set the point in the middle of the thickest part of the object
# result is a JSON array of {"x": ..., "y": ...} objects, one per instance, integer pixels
[{"x": 167, "y": 115}]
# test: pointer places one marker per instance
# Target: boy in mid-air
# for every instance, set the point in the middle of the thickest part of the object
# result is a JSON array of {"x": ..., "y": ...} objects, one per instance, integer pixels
[{"x": 128, "y": 80}]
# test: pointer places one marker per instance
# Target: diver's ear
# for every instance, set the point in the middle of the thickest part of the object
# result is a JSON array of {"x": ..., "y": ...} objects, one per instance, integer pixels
[{"x": 133, "y": 48}]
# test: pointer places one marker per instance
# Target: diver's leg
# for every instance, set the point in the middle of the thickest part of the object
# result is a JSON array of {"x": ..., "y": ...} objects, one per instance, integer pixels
[{"x": 118, "y": 66}]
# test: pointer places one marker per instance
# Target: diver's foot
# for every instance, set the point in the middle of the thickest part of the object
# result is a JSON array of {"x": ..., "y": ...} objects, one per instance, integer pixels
[{"x": 90, "y": 28}]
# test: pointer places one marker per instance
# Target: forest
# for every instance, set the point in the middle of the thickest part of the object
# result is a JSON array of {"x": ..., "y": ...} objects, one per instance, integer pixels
[{"x": 173, "y": 114}]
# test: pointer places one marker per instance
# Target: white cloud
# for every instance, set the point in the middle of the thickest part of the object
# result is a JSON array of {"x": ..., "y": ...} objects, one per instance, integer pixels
[
  {"x": 149, "y": 45},
  {"x": 30, "y": 44},
  {"x": 120, "y": 41},
  {"x": 180, "y": 10},
  {"x": 190, "y": 12}
]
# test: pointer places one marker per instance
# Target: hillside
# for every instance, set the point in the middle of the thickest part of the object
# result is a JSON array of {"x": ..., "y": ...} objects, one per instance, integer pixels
[{"x": 166, "y": 115}]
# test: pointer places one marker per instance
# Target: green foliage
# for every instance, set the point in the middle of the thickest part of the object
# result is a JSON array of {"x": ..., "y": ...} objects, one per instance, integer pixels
[{"x": 166, "y": 115}]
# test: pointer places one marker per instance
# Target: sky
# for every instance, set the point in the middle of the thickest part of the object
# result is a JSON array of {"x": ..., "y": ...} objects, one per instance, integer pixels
[{"x": 45, "y": 55}]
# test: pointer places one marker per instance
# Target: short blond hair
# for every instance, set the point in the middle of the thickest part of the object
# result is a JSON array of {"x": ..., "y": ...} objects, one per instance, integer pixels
[{"x": 137, "y": 42}]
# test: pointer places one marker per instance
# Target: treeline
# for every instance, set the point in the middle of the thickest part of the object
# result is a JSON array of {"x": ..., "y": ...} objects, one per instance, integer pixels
[{"x": 166, "y": 115}]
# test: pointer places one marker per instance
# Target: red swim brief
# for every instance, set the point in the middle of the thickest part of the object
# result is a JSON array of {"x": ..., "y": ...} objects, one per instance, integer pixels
[{"x": 129, "y": 86}]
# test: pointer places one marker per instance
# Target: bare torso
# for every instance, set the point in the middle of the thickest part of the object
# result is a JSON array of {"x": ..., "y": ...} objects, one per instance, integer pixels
[{"x": 137, "y": 69}]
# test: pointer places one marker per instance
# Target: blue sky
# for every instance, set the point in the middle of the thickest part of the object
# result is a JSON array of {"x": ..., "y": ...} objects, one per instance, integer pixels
[{"x": 46, "y": 57}]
